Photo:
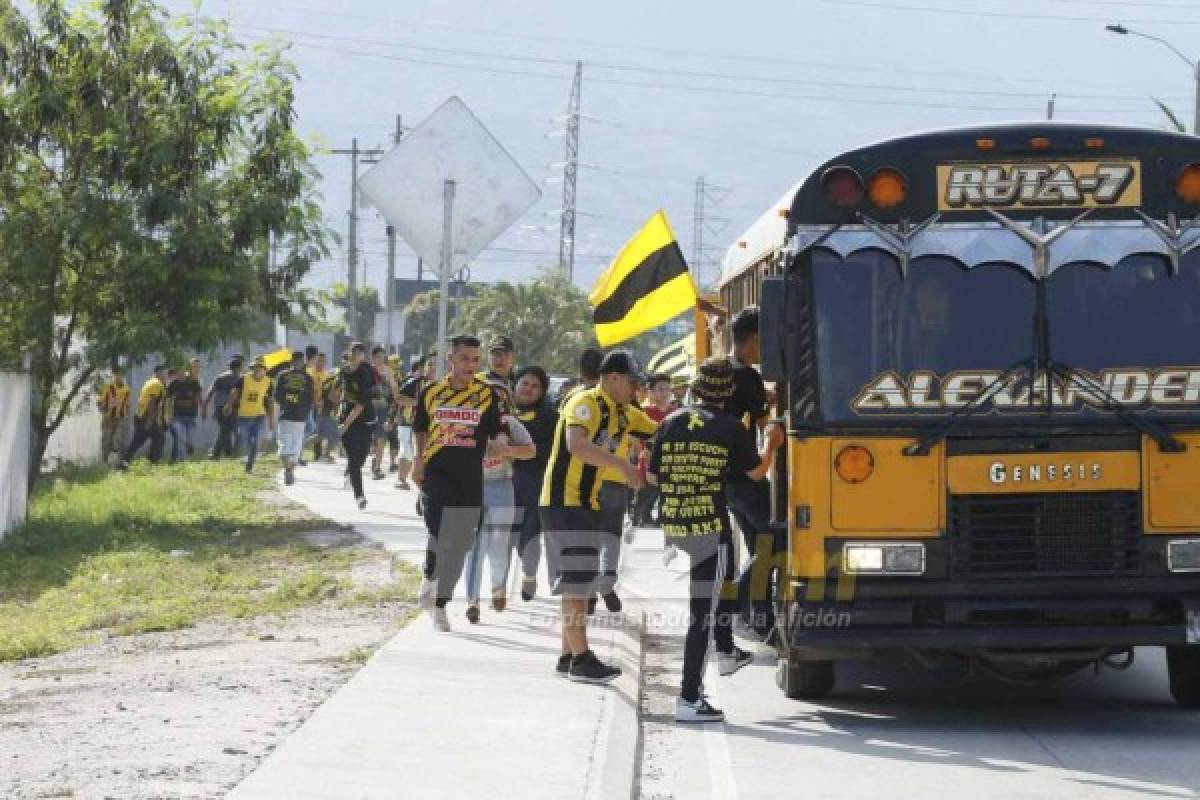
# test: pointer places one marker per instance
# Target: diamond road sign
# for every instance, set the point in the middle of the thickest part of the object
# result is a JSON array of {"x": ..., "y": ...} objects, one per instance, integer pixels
[{"x": 491, "y": 193}]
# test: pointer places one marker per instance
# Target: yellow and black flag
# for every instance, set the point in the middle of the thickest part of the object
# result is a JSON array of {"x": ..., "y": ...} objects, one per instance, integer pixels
[{"x": 646, "y": 285}]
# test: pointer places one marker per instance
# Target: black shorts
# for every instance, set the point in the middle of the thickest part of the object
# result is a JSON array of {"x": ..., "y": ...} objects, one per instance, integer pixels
[{"x": 574, "y": 538}]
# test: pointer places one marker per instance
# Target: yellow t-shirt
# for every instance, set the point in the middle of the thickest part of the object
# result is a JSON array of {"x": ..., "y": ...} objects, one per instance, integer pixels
[
  {"x": 641, "y": 427},
  {"x": 151, "y": 390},
  {"x": 114, "y": 401},
  {"x": 252, "y": 397},
  {"x": 568, "y": 481}
]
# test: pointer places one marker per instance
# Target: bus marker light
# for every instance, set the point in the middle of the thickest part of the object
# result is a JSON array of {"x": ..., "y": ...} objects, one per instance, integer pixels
[
  {"x": 985, "y": 144},
  {"x": 843, "y": 186},
  {"x": 854, "y": 464},
  {"x": 1039, "y": 143},
  {"x": 887, "y": 188},
  {"x": 1093, "y": 143},
  {"x": 1187, "y": 185}
]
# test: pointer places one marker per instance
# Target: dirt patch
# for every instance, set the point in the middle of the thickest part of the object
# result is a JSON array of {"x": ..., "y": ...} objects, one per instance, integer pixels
[{"x": 184, "y": 714}]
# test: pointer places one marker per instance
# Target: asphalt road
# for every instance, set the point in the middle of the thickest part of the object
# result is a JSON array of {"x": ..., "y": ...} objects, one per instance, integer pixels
[{"x": 894, "y": 731}]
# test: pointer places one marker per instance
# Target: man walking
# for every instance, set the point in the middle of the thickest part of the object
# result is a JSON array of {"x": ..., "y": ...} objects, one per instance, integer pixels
[
  {"x": 591, "y": 425},
  {"x": 294, "y": 395},
  {"x": 356, "y": 421},
  {"x": 113, "y": 405},
  {"x": 658, "y": 406},
  {"x": 406, "y": 400},
  {"x": 147, "y": 422},
  {"x": 218, "y": 397},
  {"x": 454, "y": 419},
  {"x": 251, "y": 401},
  {"x": 502, "y": 359},
  {"x": 697, "y": 450},
  {"x": 383, "y": 394},
  {"x": 750, "y": 500},
  {"x": 589, "y": 376},
  {"x": 325, "y": 384},
  {"x": 184, "y": 395}
]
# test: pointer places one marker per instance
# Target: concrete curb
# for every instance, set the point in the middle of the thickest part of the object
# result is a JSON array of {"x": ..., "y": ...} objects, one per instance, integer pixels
[{"x": 616, "y": 754}]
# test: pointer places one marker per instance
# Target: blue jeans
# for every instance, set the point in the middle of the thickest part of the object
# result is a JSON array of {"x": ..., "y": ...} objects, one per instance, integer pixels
[
  {"x": 182, "y": 431},
  {"x": 493, "y": 541},
  {"x": 249, "y": 429}
]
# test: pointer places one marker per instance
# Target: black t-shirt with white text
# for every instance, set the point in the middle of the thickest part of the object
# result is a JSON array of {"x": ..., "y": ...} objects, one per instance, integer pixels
[
  {"x": 357, "y": 385},
  {"x": 695, "y": 453}
]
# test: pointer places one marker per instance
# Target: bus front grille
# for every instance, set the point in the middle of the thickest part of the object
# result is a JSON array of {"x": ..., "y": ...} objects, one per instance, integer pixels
[{"x": 1063, "y": 535}]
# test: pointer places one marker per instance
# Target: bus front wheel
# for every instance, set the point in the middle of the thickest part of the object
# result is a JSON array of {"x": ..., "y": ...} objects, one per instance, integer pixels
[
  {"x": 804, "y": 680},
  {"x": 1183, "y": 670}
]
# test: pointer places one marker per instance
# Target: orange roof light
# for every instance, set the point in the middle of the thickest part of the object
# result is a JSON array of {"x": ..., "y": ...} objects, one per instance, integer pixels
[
  {"x": 854, "y": 464},
  {"x": 887, "y": 188},
  {"x": 1039, "y": 143},
  {"x": 1187, "y": 185},
  {"x": 1093, "y": 143},
  {"x": 985, "y": 144}
]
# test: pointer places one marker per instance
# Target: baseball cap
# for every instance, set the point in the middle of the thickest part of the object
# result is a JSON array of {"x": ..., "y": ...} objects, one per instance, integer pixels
[{"x": 500, "y": 343}]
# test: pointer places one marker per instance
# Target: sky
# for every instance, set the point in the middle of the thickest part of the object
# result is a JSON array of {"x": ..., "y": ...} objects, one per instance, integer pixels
[{"x": 751, "y": 95}]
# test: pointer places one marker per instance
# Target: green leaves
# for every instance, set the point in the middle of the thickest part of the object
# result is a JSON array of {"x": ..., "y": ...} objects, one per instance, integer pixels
[{"x": 140, "y": 178}]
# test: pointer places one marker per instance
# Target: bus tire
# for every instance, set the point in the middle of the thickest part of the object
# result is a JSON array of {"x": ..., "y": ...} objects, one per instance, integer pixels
[
  {"x": 804, "y": 680},
  {"x": 1183, "y": 670}
]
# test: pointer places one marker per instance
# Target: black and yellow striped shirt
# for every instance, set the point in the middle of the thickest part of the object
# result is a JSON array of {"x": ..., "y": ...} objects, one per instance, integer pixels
[
  {"x": 459, "y": 423},
  {"x": 568, "y": 481}
]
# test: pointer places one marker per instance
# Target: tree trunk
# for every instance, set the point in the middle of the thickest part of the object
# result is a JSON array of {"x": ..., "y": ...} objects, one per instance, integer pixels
[{"x": 38, "y": 441}]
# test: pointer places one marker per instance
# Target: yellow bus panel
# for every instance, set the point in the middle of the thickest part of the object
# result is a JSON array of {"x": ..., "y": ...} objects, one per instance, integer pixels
[
  {"x": 902, "y": 495},
  {"x": 1172, "y": 480}
]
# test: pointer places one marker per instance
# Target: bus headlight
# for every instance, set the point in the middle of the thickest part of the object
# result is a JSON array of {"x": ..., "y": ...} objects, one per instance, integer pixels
[
  {"x": 884, "y": 559},
  {"x": 1184, "y": 555}
]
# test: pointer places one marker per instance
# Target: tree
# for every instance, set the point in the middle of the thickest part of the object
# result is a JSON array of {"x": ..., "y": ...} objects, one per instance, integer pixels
[
  {"x": 548, "y": 319},
  {"x": 141, "y": 177},
  {"x": 366, "y": 307}
]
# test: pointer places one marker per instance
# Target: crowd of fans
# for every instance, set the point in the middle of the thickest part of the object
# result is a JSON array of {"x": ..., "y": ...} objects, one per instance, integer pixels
[{"x": 503, "y": 469}]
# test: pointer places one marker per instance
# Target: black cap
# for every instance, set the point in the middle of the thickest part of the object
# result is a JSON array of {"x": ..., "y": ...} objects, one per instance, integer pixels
[
  {"x": 620, "y": 362},
  {"x": 500, "y": 343}
]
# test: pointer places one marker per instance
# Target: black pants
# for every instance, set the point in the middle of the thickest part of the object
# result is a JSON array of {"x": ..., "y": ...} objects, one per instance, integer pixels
[
  {"x": 711, "y": 606},
  {"x": 527, "y": 487},
  {"x": 226, "y": 444},
  {"x": 357, "y": 443},
  {"x": 614, "y": 500},
  {"x": 643, "y": 505},
  {"x": 146, "y": 431},
  {"x": 750, "y": 503},
  {"x": 452, "y": 532}
]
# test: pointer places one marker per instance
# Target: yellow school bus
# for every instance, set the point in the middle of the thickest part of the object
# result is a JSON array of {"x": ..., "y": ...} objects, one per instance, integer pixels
[{"x": 985, "y": 344}]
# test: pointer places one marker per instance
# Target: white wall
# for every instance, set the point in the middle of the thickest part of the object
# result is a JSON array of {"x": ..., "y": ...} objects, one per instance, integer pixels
[{"x": 14, "y": 448}]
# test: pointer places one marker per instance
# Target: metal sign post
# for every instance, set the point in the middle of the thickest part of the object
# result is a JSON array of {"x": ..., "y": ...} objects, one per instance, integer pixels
[{"x": 444, "y": 268}]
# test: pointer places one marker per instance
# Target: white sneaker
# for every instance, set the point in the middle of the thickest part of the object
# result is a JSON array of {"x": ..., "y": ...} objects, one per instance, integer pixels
[
  {"x": 441, "y": 621},
  {"x": 729, "y": 663},
  {"x": 699, "y": 711},
  {"x": 427, "y": 594}
]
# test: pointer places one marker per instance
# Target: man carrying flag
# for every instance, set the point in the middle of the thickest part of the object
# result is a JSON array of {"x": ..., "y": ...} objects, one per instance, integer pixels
[{"x": 646, "y": 285}]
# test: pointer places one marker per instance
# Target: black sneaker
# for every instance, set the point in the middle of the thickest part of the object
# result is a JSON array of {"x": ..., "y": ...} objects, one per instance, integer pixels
[
  {"x": 362, "y": 503},
  {"x": 473, "y": 614},
  {"x": 591, "y": 609},
  {"x": 300, "y": 462},
  {"x": 528, "y": 588},
  {"x": 612, "y": 601},
  {"x": 563, "y": 667},
  {"x": 288, "y": 477},
  {"x": 586, "y": 668}
]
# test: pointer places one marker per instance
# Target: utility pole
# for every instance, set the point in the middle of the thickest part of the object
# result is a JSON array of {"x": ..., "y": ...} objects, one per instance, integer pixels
[
  {"x": 707, "y": 195},
  {"x": 1050, "y": 107},
  {"x": 566, "y": 229},
  {"x": 352, "y": 253},
  {"x": 390, "y": 291}
]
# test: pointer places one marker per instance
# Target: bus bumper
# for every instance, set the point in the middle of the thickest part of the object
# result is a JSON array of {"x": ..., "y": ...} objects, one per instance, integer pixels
[{"x": 868, "y": 625}]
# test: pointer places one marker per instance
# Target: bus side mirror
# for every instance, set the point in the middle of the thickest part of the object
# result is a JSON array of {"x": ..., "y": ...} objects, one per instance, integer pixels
[{"x": 772, "y": 327}]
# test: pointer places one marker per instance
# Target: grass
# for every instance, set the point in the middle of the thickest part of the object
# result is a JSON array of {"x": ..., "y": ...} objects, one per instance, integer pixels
[{"x": 161, "y": 548}]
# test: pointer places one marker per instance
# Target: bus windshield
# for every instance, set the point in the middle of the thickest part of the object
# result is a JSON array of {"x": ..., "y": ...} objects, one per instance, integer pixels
[{"x": 934, "y": 341}]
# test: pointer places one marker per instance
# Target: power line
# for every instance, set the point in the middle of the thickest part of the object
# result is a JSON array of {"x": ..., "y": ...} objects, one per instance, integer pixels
[
  {"x": 966, "y": 12},
  {"x": 690, "y": 73},
  {"x": 832, "y": 99}
]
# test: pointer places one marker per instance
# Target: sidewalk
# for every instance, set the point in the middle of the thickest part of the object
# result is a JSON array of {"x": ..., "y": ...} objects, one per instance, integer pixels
[{"x": 475, "y": 713}]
